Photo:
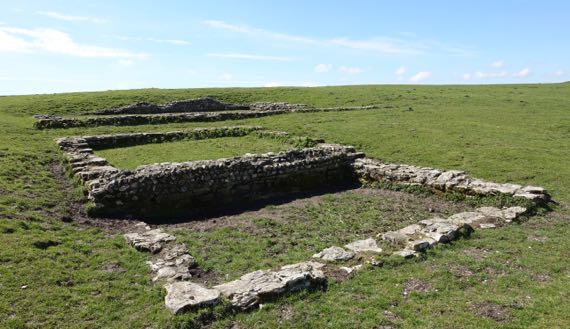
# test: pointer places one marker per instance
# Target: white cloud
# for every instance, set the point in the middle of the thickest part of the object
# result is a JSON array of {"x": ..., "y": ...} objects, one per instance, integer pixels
[
  {"x": 351, "y": 70},
  {"x": 401, "y": 71},
  {"x": 522, "y": 73},
  {"x": 466, "y": 76},
  {"x": 252, "y": 57},
  {"x": 384, "y": 45},
  {"x": 272, "y": 84},
  {"x": 323, "y": 68},
  {"x": 380, "y": 45},
  {"x": 70, "y": 18},
  {"x": 14, "y": 39},
  {"x": 226, "y": 76},
  {"x": 498, "y": 64},
  {"x": 309, "y": 84},
  {"x": 420, "y": 76},
  {"x": 559, "y": 73},
  {"x": 260, "y": 32},
  {"x": 177, "y": 42},
  {"x": 490, "y": 75},
  {"x": 170, "y": 41},
  {"x": 126, "y": 62}
]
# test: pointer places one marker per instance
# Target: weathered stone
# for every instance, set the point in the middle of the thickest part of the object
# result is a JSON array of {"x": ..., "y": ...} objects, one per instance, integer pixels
[
  {"x": 441, "y": 231},
  {"x": 253, "y": 287},
  {"x": 394, "y": 237},
  {"x": 351, "y": 269},
  {"x": 452, "y": 180},
  {"x": 368, "y": 245},
  {"x": 405, "y": 253},
  {"x": 513, "y": 213},
  {"x": 152, "y": 240},
  {"x": 420, "y": 245},
  {"x": 410, "y": 230},
  {"x": 491, "y": 212},
  {"x": 469, "y": 218},
  {"x": 184, "y": 295},
  {"x": 334, "y": 254}
]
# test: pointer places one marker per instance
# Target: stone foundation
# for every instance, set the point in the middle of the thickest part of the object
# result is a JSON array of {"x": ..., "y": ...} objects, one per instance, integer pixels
[
  {"x": 167, "y": 188},
  {"x": 372, "y": 170},
  {"x": 194, "y": 110}
]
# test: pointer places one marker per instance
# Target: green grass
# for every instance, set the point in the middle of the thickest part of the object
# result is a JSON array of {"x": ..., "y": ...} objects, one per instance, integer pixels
[
  {"x": 504, "y": 133},
  {"x": 190, "y": 150}
]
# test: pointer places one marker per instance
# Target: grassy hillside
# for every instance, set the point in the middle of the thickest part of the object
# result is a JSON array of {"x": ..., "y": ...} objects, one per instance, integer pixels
[{"x": 60, "y": 274}]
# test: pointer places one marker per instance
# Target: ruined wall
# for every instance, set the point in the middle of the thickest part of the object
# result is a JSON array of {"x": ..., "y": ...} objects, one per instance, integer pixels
[
  {"x": 151, "y": 189},
  {"x": 199, "y": 184},
  {"x": 372, "y": 170},
  {"x": 205, "y": 104}
]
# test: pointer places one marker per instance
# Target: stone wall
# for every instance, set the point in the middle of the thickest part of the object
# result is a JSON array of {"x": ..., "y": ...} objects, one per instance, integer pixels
[
  {"x": 150, "y": 189},
  {"x": 205, "y": 104},
  {"x": 372, "y": 170},
  {"x": 135, "y": 114}
]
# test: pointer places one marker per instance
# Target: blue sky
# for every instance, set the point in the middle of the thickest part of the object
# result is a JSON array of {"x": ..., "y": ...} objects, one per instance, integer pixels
[{"x": 60, "y": 45}]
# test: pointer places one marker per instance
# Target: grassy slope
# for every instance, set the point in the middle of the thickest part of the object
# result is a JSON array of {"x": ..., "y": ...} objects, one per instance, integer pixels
[
  {"x": 502, "y": 133},
  {"x": 190, "y": 150}
]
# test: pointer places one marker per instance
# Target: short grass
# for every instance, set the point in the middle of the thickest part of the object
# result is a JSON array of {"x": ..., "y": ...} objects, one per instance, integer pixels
[
  {"x": 190, "y": 150},
  {"x": 55, "y": 274},
  {"x": 290, "y": 233}
]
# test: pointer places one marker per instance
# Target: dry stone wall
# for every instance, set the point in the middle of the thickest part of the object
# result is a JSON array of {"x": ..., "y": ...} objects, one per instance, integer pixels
[
  {"x": 194, "y": 110},
  {"x": 149, "y": 189},
  {"x": 372, "y": 170},
  {"x": 205, "y": 104}
]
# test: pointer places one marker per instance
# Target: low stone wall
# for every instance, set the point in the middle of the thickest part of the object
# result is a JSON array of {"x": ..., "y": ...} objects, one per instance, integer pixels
[
  {"x": 51, "y": 122},
  {"x": 200, "y": 184},
  {"x": 260, "y": 110},
  {"x": 205, "y": 104},
  {"x": 372, "y": 170},
  {"x": 150, "y": 189}
]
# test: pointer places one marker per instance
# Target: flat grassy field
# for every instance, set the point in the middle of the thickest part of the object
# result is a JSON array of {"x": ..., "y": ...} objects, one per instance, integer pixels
[
  {"x": 190, "y": 150},
  {"x": 78, "y": 275}
]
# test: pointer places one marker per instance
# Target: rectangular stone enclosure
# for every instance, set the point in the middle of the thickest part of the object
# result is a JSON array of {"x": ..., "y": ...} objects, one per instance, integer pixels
[{"x": 158, "y": 190}]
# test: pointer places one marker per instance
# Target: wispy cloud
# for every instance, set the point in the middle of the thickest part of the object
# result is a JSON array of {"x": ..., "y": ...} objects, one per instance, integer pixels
[
  {"x": 177, "y": 42},
  {"x": 490, "y": 75},
  {"x": 259, "y": 32},
  {"x": 498, "y": 64},
  {"x": 401, "y": 71},
  {"x": 323, "y": 68},
  {"x": 522, "y": 73},
  {"x": 170, "y": 41},
  {"x": 420, "y": 76},
  {"x": 386, "y": 46},
  {"x": 559, "y": 73},
  {"x": 272, "y": 84},
  {"x": 467, "y": 76},
  {"x": 126, "y": 62},
  {"x": 13, "y": 39},
  {"x": 252, "y": 57},
  {"x": 350, "y": 70},
  {"x": 226, "y": 76},
  {"x": 70, "y": 18},
  {"x": 383, "y": 45}
]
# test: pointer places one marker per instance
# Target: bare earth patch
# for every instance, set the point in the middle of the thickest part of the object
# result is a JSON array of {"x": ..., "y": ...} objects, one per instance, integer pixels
[
  {"x": 416, "y": 285},
  {"x": 492, "y": 311}
]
